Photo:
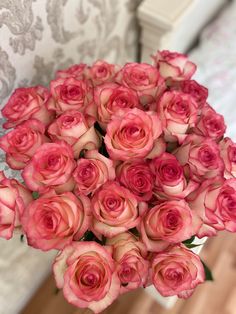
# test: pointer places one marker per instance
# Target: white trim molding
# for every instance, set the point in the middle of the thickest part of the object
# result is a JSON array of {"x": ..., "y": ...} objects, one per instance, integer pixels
[{"x": 173, "y": 24}]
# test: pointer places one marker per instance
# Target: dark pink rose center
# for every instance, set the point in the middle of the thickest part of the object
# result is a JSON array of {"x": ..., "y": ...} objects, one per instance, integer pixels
[
  {"x": 170, "y": 171},
  {"x": 172, "y": 220},
  {"x": 89, "y": 279},
  {"x": 71, "y": 92},
  {"x": 180, "y": 107},
  {"x": 174, "y": 276},
  {"x": 20, "y": 102},
  {"x": 227, "y": 204},
  {"x": 53, "y": 161},
  {"x": 68, "y": 122},
  {"x": 127, "y": 273},
  {"x": 206, "y": 156}
]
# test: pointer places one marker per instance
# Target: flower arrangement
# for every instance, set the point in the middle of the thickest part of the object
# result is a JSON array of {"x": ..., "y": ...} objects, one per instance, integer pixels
[{"x": 122, "y": 168}]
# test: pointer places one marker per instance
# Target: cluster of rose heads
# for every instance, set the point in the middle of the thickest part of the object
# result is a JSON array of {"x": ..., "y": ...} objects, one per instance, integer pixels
[{"x": 121, "y": 167}]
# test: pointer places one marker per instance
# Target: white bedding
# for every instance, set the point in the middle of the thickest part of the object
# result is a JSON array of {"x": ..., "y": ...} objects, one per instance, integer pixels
[
  {"x": 216, "y": 61},
  {"x": 22, "y": 269}
]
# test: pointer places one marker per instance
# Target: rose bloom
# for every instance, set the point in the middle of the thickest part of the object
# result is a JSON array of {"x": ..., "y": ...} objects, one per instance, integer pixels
[
  {"x": 14, "y": 198},
  {"x": 21, "y": 143},
  {"x": 210, "y": 124},
  {"x": 69, "y": 93},
  {"x": 169, "y": 222},
  {"x": 142, "y": 78},
  {"x": 27, "y": 103},
  {"x": 137, "y": 177},
  {"x": 177, "y": 271},
  {"x": 52, "y": 221},
  {"x": 77, "y": 71},
  {"x": 193, "y": 88},
  {"x": 178, "y": 113},
  {"x": 174, "y": 65},
  {"x": 228, "y": 154},
  {"x": 51, "y": 166},
  {"x": 101, "y": 72},
  {"x": 87, "y": 273},
  {"x": 76, "y": 129},
  {"x": 136, "y": 134},
  {"x": 115, "y": 210},
  {"x": 130, "y": 254},
  {"x": 111, "y": 98},
  {"x": 215, "y": 203},
  {"x": 91, "y": 172},
  {"x": 200, "y": 157},
  {"x": 170, "y": 181}
]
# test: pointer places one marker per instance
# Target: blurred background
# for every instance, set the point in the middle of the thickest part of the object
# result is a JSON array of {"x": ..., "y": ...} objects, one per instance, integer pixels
[{"x": 38, "y": 37}]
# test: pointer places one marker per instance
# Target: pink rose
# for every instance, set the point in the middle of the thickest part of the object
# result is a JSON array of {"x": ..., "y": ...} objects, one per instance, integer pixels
[
  {"x": 228, "y": 154},
  {"x": 77, "y": 71},
  {"x": 87, "y": 273},
  {"x": 130, "y": 254},
  {"x": 137, "y": 177},
  {"x": 21, "y": 143},
  {"x": 142, "y": 78},
  {"x": 210, "y": 124},
  {"x": 27, "y": 103},
  {"x": 174, "y": 65},
  {"x": 102, "y": 72},
  {"x": 170, "y": 181},
  {"x": 115, "y": 210},
  {"x": 200, "y": 158},
  {"x": 91, "y": 172},
  {"x": 177, "y": 271},
  {"x": 178, "y": 113},
  {"x": 51, "y": 166},
  {"x": 194, "y": 89},
  {"x": 76, "y": 130},
  {"x": 14, "y": 198},
  {"x": 111, "y": 98},
  {"x": 52, "y": 221},
  {"x": 136, "y": 134},
  {"x": 215, "y": 203},
  {"x": 169, "y": 222},
  {"x": 69, "y": 94}
]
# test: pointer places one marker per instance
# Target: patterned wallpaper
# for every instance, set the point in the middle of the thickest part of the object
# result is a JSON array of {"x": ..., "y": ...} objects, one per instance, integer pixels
[{"x": 37, "y": 37}]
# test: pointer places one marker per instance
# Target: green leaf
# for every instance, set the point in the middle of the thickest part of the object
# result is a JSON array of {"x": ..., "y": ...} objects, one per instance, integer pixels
[
  {"x": 189, "y": 241},
  {"x": 208, "y": 273},
  {"x": 35, "y": 195},
  {"x": 191, "y": 246}
]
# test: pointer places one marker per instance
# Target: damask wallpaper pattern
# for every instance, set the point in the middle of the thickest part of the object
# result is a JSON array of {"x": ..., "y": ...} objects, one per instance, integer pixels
[{"x": 37, "y": 37}]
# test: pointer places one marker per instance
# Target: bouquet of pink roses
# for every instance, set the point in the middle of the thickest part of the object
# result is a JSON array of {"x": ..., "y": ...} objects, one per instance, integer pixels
[{"x": 122, "y": 168}]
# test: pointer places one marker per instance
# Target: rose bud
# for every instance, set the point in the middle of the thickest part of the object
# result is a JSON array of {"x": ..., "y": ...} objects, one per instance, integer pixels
[
  {"x": 115, "y": 210},
  {"x": 210, "y": 124},
  {"x": 200, "y": 157},
  {"x": 136, "y": 134},
  {"x": 52, "y": 221},
  {"x": 177, "y": 271},
  {"x": 130, "y": 256},
  {"x": 178, "y": 113},
  {"x": 77, "y": 71},
  {"x": 91, "y": 172},
  {"x": 170, "y": 181},
  {"x": 79, "y": 132},
  {"x": 174, "y": 65},
  {"x": 169, "y": 222},
  {"x": 51, "y": 166},
  {"x": 87, "y": 273},
  {"x": 27, "y": 103},
  {"x": 69, "y": 94},
  {"x": 111, "y": 98},
  {"x": 228, "y": 154},
  {"x": 102, "y": 72},
  {"x": 142, "y": 78},
  {"x": 21, "y": 143},
  {"x": 215, "y": 203},
  {"x": 137, "y": 177},
  {"x": 14, "y": 198}
]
